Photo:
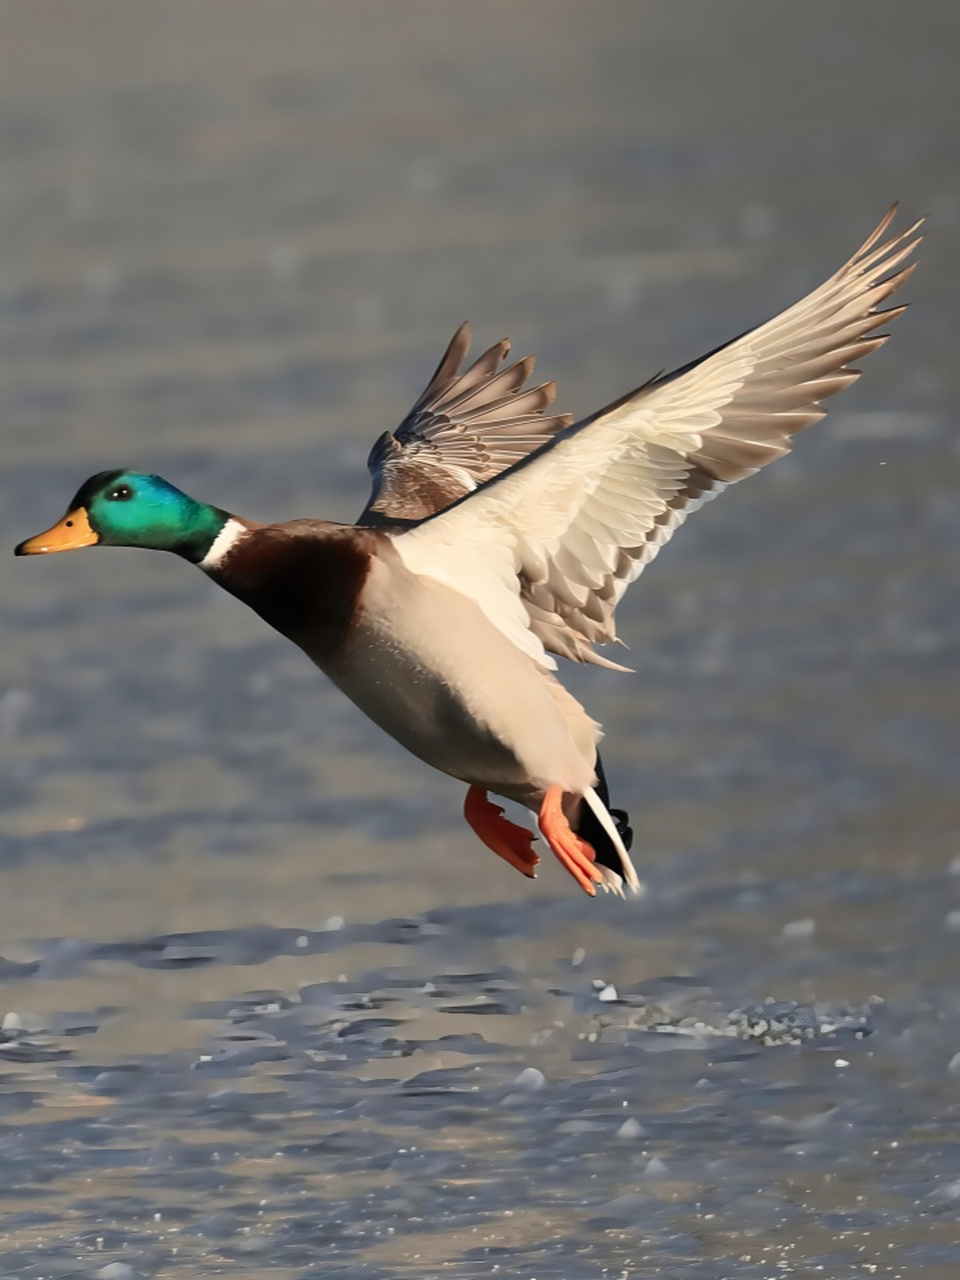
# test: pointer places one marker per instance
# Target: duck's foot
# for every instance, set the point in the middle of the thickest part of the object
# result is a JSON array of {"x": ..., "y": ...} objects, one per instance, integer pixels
[
  {"x": 573, "y": 853},
  {"x": 512, "y": 843}
]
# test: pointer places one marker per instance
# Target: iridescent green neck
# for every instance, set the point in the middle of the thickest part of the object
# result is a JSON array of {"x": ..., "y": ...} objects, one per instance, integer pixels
[{"x": 129, "y": 509}]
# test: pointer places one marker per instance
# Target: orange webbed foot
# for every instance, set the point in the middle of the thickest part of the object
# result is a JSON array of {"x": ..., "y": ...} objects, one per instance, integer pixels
[
  {"x": 512, "y": 843},
  {"x": 573, "y": 853}
]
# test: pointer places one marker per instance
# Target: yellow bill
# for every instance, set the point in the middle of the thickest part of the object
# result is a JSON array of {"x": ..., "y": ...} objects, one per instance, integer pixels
[{"x": 71, "y": 533}]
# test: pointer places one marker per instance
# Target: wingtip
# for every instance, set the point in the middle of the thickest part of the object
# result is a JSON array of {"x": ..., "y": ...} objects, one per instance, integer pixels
[
  {"x": 891, "y": 214},
  {"x": 462, "y": 338},
  {"x": 879, "y": 231}
]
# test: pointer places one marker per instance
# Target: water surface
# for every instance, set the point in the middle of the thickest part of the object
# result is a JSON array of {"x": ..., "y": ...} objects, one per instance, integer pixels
[{"x": 269, "y": 1005}]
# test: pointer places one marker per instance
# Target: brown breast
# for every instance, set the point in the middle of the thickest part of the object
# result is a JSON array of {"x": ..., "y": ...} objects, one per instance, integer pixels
[{"x": 304, "y": 577}]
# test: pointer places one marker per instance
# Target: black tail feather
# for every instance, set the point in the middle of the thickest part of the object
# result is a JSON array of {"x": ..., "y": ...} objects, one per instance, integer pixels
[{"x": 588, "y": 827}]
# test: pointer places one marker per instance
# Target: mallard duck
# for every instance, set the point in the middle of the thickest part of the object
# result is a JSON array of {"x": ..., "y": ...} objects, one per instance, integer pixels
[{"x": 499, "y": 535}]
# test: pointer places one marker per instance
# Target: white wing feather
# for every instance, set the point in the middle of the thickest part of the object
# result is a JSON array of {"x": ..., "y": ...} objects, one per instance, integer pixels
[{"x": 547, "y": 548}]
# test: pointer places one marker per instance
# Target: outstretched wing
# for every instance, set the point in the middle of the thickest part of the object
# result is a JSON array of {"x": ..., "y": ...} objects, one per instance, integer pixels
[
  {"x": 548, "y": 549},
  {"x": 465, "y": 429}
]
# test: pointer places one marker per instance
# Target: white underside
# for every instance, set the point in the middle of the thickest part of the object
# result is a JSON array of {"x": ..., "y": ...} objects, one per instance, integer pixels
[{"x": 425, "y": 664}]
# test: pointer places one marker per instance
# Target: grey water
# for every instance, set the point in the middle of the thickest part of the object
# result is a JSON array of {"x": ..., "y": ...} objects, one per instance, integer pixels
[{"x": 266, "y": 1005}]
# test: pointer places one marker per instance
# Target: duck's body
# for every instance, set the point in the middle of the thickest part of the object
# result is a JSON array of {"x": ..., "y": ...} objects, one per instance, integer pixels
[
  {"x": 496, "y": 721},
  {"x": 394, "y": 642},
  {"x": 496, "y": 537}
]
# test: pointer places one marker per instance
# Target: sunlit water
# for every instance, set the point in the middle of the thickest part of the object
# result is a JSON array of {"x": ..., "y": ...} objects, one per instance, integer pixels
[{"x": 269, "y": 1005}]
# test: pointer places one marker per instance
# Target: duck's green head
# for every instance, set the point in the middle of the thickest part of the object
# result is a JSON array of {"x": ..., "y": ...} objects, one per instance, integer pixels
[{"x": 129, "y": 509}]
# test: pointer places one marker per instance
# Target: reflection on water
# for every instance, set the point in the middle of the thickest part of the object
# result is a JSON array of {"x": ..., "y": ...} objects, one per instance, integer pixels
[{"x": 268, "y": 1003}]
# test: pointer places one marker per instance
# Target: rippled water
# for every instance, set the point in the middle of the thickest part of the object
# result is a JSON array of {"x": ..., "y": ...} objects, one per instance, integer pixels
[{"x": 269, "y": 1005}]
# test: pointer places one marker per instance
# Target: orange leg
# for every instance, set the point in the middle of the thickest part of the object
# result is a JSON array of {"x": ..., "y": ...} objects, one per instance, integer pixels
[
  {"x": 573, "y": 853},
  {"x": 512, "y": 843}
]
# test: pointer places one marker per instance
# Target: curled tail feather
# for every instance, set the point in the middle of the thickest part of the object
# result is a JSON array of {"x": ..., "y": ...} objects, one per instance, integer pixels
[{"x": 609, "y": 832}]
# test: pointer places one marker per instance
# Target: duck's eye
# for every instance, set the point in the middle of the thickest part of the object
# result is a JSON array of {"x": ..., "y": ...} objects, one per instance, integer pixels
[{"x": 122, "y": 493}]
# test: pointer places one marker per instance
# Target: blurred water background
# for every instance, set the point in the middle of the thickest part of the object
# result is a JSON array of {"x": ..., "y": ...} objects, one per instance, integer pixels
[{"x": 269, "y": 1006}]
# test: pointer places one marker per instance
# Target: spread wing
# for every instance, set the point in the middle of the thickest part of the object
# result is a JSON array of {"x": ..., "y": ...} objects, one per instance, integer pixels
[
  {"x": 548, "y": 548},
  {"x": 466, "y": 428}
]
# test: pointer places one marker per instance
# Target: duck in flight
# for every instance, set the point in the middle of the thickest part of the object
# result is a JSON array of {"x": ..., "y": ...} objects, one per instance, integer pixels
[{"x": 499, "y": 535}]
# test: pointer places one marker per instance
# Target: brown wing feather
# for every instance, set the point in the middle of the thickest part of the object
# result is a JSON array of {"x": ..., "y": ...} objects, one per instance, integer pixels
[{"x": 464, "y": 429}]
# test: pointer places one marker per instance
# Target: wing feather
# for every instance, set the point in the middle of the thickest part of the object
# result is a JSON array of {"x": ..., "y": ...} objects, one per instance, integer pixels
[
  {"x": 465, "y": 428},
  {"x": 548, "y": 547}
]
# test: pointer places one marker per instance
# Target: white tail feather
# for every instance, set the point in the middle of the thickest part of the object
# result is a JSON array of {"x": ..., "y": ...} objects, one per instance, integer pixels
[{"x": 602, "y": 815}]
